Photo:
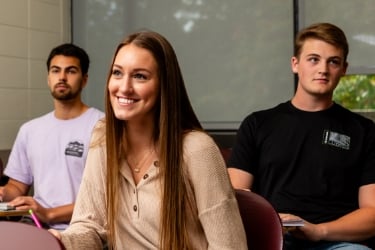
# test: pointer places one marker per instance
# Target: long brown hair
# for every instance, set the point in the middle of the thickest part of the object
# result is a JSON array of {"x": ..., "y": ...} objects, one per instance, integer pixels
[{"x": 173, "y": 116}]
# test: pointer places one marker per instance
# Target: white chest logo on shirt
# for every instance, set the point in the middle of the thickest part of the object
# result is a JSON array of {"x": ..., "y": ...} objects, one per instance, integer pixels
[
  {"x": 336, "y": 139},
  {"x": 74, "y": 148}
]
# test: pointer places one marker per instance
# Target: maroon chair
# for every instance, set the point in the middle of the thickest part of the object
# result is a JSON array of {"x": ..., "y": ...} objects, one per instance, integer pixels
[
  {"x": 261, "y": 221},
  {"x": 17, "y": 235},
  {"x": 226, "y": 152}
]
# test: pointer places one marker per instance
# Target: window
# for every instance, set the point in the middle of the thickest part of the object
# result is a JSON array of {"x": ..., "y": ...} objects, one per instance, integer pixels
[
  {"x": 234, "y": 55},
  {"x": 356, "y": 91}
]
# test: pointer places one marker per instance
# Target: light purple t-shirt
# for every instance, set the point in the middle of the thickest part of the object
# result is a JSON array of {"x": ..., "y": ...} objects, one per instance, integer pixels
[{"x": 51, "y": 154}]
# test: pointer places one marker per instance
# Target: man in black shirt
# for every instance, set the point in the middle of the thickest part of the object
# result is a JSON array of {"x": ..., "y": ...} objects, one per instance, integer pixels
[{"x": 311, "y": 158}]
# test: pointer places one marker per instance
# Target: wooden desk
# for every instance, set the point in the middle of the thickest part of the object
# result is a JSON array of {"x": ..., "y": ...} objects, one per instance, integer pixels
[{"x": 13, "y": 213}]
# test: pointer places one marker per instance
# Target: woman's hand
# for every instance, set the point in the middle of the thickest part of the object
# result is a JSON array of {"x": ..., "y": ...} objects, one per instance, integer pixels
[{"x": 55, "y": 233}]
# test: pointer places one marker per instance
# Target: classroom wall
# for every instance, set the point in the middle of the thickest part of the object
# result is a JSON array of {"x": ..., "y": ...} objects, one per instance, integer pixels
[{"x": 29, "y": 29}]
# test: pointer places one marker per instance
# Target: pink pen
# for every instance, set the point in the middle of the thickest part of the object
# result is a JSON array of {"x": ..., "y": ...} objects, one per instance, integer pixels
[{"x": 35, "y": 219}]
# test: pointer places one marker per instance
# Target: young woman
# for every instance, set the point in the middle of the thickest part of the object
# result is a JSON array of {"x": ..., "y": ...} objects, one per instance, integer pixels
[{"x": 153, "y": 178}]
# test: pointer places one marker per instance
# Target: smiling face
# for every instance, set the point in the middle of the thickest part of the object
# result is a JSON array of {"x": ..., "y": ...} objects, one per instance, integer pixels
[
  {"x": 134, "y": 84},
  {"x": 319, "y": 66}
]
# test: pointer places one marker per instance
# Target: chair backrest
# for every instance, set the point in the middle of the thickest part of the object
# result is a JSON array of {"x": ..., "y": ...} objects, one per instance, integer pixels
[
  {"x": 1, "y": 167},
  {"x": 261, "y": 221},
  {"x": 17, "y": 235},
  {"x": 225, "y": 152}
]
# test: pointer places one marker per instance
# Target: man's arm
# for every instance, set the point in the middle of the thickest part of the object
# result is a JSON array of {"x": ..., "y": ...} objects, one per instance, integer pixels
[
  {"x": 15, "y": 193},
  {"x": 358, "y": 225},
  {"x": 60, "y": 214},
  {"x": 13, "y": 189},
  {"x": 240, "y": 179}
]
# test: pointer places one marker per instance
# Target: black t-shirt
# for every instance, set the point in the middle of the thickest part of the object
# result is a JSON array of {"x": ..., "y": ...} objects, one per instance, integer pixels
[{"x": 310, "y": 164}]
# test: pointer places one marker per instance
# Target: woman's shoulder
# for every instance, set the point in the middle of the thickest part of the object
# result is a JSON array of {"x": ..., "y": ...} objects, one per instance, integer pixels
[
  {"x": 198, "y": 140},
  {"x": 98, "y": 133},
  {"x": 194, "y": 136}
]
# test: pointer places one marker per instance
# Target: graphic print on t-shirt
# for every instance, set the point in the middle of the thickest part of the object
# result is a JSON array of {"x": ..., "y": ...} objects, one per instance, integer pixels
[
  {"x": 336, "y": 139},
  {"x": 74, "y": 148}
]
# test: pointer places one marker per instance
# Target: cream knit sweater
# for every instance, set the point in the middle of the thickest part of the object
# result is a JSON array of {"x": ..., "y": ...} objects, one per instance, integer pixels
[{"x": 219, "y": 225}]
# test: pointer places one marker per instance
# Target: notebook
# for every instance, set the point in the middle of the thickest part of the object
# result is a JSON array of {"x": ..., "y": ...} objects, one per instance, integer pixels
[
  {"x": 5, "y": 207},
  {"x": 293, "y": 223}
]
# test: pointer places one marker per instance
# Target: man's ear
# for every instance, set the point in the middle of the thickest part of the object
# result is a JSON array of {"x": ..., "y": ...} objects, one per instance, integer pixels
[
  {"x": 346, "y": 65},
  {"x": 294, "y": 64},
  {"x": 85, "y": 78}
]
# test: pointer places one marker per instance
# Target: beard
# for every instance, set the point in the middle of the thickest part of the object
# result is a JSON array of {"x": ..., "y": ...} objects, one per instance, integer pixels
[{"x": 67, "y": 94}]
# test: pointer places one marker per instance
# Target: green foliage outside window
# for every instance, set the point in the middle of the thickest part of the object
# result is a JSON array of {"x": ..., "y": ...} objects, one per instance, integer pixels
[{"x": 356, "y": 92}]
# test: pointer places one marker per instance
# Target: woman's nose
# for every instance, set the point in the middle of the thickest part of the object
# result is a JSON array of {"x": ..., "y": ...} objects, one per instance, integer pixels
[{"x": 126, "y": 85}]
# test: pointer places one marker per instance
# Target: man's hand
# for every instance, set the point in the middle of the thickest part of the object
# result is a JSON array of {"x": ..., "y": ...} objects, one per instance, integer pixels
[
  {"x": 308, "y": 231},
  {"x": 28, "y": 202},
  {"x": 2, "y": 193}
]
